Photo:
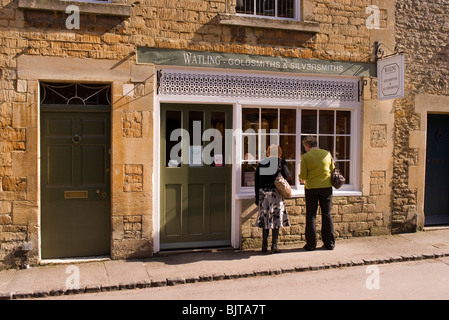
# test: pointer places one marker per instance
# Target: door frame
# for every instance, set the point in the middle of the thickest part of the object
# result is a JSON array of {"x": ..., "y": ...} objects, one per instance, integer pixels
[
  {"x": 424, "y": 104},
  {"x": 120, "y": 74},
  {"x": 166, "y": 179},
  {"x": 426, "y": 201},
  {"x": 235, "y": 206}
]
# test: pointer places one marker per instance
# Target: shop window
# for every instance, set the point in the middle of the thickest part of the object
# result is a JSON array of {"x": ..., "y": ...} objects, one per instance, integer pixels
[
  {"x": 286, "y": 9},
  {"x": 265, "y": 126},
  {"x": 333, "y": 131}
]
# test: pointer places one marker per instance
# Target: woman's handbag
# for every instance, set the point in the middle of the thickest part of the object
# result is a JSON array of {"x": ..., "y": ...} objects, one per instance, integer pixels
[
  {"x": 337, "y": 178},
  {"x": 282, "y": 185}
]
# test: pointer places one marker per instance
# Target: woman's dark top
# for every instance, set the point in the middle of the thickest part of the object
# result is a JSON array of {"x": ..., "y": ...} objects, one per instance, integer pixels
[{"x": 266, "y": 174}]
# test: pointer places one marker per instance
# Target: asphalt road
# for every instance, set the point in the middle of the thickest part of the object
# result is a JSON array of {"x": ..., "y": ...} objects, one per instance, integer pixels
[{"x": 420, "y": 280}]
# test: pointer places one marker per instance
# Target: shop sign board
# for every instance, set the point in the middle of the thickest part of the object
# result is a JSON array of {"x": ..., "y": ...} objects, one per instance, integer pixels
[{"x": 202, "y": 59}]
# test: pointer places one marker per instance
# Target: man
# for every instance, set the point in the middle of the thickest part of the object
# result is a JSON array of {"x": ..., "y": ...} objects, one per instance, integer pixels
[{"x": 316, "y": 171}]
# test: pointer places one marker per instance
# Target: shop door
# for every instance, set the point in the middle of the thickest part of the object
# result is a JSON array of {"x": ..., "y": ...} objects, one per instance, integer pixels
[
  {"x": 196, "y": 176},
  {"x": 75, "y": 182},
  {"x": 436, "y": 206}
]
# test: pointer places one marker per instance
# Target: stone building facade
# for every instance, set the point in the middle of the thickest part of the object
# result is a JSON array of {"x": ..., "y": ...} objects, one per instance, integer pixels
[
  {"x": 422, "y": 34},
  {"x": 141, "y": 52}
]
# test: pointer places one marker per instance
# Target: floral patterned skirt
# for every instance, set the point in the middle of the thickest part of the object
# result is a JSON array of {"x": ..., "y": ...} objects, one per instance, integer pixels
[{"x": 272, "y": 210}]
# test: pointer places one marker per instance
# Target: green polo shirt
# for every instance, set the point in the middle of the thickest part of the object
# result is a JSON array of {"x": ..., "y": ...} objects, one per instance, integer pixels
[{"x": 316, "y": 169}]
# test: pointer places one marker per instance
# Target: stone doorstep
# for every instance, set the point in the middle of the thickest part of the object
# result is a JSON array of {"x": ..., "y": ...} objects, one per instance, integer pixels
[
  {"x": 218, "y": 277},
  {"x": 74, "y": 260}
]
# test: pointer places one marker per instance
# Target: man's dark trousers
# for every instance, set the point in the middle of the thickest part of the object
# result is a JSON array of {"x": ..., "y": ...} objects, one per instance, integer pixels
[{"x": 323, "y": 197}]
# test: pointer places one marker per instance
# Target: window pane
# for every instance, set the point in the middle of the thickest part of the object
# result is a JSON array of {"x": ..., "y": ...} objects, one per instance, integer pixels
[
  {"x": 288, "y": 121},
  {"x": 343, "y": 122},
  {"x": 250, "y": 119},
  {"x": 292, "y": 168},
  {"x": 269, "y": 120},
  {"x": 303, "y": 150},
  {"x": 250, "y": 147},
  {"x": 327, "y": 143},
  {"x": 286, "y": 8},
  {"x": 269, "y": 7},
  {"x": 308, "y": 121},
  {"x": 266, "y": 141},
  {"x": 326, "y": 122},
  {"x": 344, "y": 169},
  {"x": 343, "y": 148},
  {"x": 196, "y": 125},
  {"x": 218, "y": 122},
  {"x": 288, "y": 145},
  {"x": 173, "y": 122},
  {"x": 248, "y": 174},
  {"x": 245, "y": 6}
]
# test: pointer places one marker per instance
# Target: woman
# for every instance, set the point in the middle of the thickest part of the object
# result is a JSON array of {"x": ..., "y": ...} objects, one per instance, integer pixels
[
  {"x": 272, "y": 210},
  {"x": 316, "y": 171}
]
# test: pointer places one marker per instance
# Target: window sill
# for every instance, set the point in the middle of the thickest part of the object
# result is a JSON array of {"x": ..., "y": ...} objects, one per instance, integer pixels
[
  {"x": 300, "y": 194},
  {"x": 107, "y": 9},
  {"x": 266, "y": 23}
]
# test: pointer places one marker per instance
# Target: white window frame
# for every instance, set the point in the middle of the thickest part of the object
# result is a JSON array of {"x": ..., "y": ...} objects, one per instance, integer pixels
[
  {"x": 298, "y": 190},
  {"x": 297, "y": 12}
]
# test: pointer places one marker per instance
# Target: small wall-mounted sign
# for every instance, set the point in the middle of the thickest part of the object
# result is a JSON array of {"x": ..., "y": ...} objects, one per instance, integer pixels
[{"x": 390, "y": 78}]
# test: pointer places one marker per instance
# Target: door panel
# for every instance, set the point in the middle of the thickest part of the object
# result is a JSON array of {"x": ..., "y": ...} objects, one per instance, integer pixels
[
  {"x": 59, "y": 159},
  {"x": 195, "y": 193},
  {"x": 75, "y": 184},
  {"x": 196, "y": 212},
  {"x": 436, "y": 205},
  {"x": 93, "y": 165},
  {"x": 172, "y": 219},
  {"x": 219, "y": 204}
]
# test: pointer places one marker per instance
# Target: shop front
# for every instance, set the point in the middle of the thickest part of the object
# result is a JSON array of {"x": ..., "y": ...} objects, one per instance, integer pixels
[{"x": 217, "y": 113}]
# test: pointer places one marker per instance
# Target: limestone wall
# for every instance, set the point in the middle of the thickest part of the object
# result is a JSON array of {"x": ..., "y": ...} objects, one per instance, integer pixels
[
  {"x": 423, "y": 35},
  {"x": 103, "y": 49}
]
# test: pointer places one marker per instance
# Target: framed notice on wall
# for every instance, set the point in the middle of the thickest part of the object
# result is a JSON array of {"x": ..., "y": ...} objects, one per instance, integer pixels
[{"x": 390, "y": 76}]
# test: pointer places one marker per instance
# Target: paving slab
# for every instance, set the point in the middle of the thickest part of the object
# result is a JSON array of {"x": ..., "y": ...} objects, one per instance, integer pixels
[
  {"x": 125, "y": 272},
  {"x": 5, "y": 279}
]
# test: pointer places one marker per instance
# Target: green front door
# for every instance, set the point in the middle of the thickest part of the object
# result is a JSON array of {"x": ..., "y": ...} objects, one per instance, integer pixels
[
  {"x": 75, "y": 182},
  {"x": 196, "y": 176}
]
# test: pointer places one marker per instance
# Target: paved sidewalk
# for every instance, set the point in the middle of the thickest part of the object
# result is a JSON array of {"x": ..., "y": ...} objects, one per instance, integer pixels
[{"x": 180, "y": 268}]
